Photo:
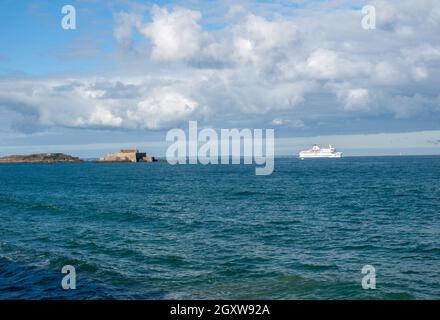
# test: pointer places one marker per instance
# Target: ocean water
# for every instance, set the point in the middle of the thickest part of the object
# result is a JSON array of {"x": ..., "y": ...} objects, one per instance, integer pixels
[{"x": 156, "y": 231}]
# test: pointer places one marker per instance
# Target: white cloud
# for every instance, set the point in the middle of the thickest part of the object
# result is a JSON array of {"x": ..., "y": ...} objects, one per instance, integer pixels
[
  {"x": 328, "y": 65},
  {"x": 419, "y": 73},
  {"x": 175, "y": 35},
  {"x": 163, "y": 107},
  {"x": 288, "y": 123},
  {"x": 312, "y": 63},
  {"x": 101, "y": 117},
  {"x": 322, "y": 64},
  {"x": 80, "y": 103},
  {"x": 355, "y": 99},
  {"x": 256, "y": 38}
]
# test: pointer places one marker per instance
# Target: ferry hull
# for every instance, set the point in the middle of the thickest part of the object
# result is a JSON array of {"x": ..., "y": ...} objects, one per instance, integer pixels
[{"x": 332, "y": 155}]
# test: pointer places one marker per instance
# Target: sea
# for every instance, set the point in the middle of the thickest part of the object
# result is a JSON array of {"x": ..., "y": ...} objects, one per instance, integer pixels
[{"x": 161, "y": 231}]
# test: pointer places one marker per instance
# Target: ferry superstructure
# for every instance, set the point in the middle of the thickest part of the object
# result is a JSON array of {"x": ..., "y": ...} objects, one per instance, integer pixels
[{"x": 318, "y": 152}]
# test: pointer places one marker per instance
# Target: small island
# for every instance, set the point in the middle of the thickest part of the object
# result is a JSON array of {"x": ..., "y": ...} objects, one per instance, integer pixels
[
  {"x": 40, "y": 158},
  {"x": 131, "y": 155}
]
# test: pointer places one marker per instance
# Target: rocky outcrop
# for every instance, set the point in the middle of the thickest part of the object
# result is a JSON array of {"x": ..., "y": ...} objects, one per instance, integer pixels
[{"x": 40, "y": 158}]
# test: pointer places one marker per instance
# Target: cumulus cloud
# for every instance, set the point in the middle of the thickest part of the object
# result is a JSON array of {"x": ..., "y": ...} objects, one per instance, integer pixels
[
  {"x": 354, "y": 99},
  {"x": 175, "y": 35},
  {"x": 98, "y": 103},
  {"x": 162, "y": 107},
  {"x": 315, "y": 63},
  {"x": 327, "y": 64},
  {"x": 256, "y": 39}
]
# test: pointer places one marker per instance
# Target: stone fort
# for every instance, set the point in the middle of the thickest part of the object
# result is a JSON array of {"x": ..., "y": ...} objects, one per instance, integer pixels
[{"x": 128, "y": 155}]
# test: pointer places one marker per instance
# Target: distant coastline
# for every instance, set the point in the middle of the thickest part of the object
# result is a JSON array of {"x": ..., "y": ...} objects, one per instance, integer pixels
[
  {"x": 65, "y": 158},
  {"x": 40, "y": 158},
  {"x": 123, "y": 156}
]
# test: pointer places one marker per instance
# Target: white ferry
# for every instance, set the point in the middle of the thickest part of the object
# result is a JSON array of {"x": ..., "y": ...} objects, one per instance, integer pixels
[{"x": 318, "y": 152}]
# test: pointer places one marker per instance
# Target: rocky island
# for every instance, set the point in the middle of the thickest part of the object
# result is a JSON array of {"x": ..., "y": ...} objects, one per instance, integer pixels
[{"x": 40, "y": 158}]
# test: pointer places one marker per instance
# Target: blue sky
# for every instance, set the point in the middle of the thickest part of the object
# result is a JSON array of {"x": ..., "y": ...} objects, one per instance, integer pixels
[
  {"x": 34, "y": 44},
  {"x": 33, "y": 41},
  {"x": 134, "y": 69}
]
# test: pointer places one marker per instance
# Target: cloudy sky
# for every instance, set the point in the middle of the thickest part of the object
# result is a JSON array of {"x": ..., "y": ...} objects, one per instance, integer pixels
[{"x": 134, "y": 69}]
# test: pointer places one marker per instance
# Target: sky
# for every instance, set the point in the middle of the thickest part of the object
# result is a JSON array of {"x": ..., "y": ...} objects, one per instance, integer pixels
[{"x": 131, "y": 70}]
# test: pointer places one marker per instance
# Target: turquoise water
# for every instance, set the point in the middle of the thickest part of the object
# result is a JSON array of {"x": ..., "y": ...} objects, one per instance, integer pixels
[{"x": 156, "y": 231}]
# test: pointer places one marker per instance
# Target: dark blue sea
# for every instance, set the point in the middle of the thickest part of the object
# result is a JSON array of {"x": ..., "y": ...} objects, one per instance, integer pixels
[{"x": 156, "y": 231}]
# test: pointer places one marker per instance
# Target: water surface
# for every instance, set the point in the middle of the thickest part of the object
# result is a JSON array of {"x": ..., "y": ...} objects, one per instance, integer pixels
[{"x": 156, "y": 231}]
